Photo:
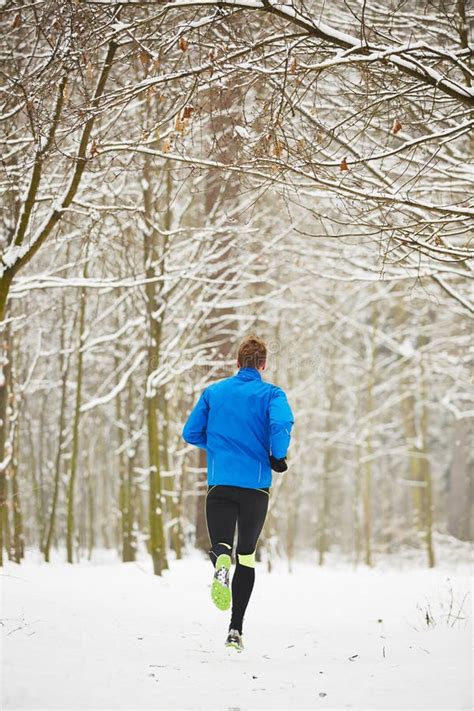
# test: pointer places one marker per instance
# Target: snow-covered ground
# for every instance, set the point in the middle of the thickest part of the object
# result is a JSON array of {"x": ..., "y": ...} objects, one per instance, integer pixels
[{"x": 107, "y": 635}]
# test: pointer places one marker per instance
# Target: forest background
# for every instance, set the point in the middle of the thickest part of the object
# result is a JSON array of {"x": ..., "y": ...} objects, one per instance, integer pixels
[{"x": 176, "y": 175}]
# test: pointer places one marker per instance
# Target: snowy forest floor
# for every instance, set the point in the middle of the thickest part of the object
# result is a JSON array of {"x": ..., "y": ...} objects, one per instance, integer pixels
[{"x": 107, "y": 635}]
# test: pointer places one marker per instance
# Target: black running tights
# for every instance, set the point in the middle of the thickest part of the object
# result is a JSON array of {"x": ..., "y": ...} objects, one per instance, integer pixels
[{"x": 226, "y": 508}]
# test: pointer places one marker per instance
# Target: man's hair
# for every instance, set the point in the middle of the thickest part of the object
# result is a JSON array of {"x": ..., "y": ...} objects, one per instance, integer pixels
[{"x": 252, "y": 353}]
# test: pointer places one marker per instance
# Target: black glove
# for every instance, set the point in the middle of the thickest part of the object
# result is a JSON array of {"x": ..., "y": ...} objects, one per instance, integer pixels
[{"x": 278, "y": 465}]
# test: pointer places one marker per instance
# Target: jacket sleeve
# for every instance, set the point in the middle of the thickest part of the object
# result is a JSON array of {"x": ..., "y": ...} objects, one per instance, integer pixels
[
  {"x": 281, "y": 422},
  {"x": 195, "y": 429}
]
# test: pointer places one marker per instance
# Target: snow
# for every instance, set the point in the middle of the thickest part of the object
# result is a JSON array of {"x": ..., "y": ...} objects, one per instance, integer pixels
[
  {"x": 95, "y": 402},
  {"x": 10, "y": 256},
  {"x": 406, "y": 349},
  {"x": 103, "y": 635},
  {"x": 242, "y": 132}
]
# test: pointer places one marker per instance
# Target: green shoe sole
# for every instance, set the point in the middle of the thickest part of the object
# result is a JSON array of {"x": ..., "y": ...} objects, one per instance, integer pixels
[{"x": 220, "y": 593}]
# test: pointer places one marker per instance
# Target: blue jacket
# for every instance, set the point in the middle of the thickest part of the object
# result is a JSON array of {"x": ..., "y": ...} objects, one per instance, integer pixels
[{"x": 239, "y": 421}]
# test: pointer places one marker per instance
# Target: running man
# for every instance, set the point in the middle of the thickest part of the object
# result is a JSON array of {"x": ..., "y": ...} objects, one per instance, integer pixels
[{"x": 244, "y": 424}]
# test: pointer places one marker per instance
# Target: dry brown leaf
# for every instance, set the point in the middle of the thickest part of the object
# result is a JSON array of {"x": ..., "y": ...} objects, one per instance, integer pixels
[
  {"x": 179, "y": 124},
  {"x": 16, "y": 21},
  {"x": 145, "y": 58},
  {"x": 396, "y": 126},
  {"x": 277, "y": 148},
  {"x": 166, "y": 145}
]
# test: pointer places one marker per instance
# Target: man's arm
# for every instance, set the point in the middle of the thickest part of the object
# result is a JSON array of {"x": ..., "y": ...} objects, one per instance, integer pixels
[
  {"x": 195, "y": 429},
  {"x": 281, "y": 422}
]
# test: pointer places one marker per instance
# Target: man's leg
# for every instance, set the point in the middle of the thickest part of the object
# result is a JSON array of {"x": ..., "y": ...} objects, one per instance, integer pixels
[
  {"x": 252, "y": 513},
  {"x": 221, "y": 519}
]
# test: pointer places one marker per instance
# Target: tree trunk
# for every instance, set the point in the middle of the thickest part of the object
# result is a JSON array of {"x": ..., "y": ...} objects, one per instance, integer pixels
[
  {"x": 170, "y": 485},
  {"x": 89, "y": 482},
  {"x": 458, "y": 489},
  {"x": 426, "y": 472},
  {"x": 154, "y": 322},
  {"x": 131, "y": 493},
  {"x": 324, "y": 506},
  {"x": 75, "y": 429},
  {"x": 125, "y": 475},
  {"x": 35, "y": 486},
  {"x": 5, "y": 356},
  {"x": 18, "y": 548},
  {"x": 155, "y": 513},
  {"x": 356, "y": 507},
  {"x": 18, "y": 535},
  {"x": 64, "y": 370},
  {"x": 328, "y": 458},
  {"x": 202, "y": 536},
  {"x": 367, "y": 487},
  {"x": 416, "y": 434}
]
